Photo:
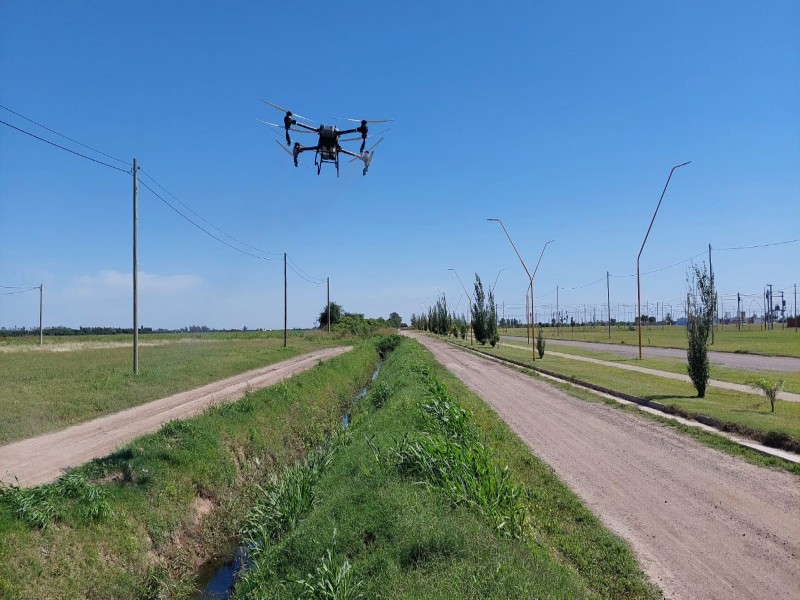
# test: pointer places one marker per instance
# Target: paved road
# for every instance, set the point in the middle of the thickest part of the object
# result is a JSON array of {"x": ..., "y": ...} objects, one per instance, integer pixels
[
  {"x": 737, "y": 387},
  {"x": 702, "y": 523},
  {"x": 749, "y": 362},
  {"x": 45, "y": 458}
]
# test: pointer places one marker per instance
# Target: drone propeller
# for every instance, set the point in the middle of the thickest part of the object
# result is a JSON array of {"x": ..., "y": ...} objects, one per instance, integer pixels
[
  {"x": 273, "y": 105},
  {"x": 276, "y": 126},
  {"x": 355, "y": 139},
  {"x": 365, "y": 120}
]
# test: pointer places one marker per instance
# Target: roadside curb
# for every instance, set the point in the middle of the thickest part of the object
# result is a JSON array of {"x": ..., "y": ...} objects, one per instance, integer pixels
[{"x": 717, "y": 426}]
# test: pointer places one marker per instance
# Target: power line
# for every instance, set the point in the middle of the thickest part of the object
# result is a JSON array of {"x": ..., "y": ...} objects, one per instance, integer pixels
[
  {"x": 33, "y": 135},
  {"x": 759, "y": 246},
  {"x": 201, "y": 228},
  {"x": 20, "y": 291},
  {"x": 316, "y": 280},
  {"x": 301, "y": 276},
  {"x": 125, "y": 162},
  {"x": 238, "y": 241}
]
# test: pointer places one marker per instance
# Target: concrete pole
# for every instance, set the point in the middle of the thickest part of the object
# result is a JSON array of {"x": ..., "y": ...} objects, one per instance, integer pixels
[{"x": 329, "y": 304}]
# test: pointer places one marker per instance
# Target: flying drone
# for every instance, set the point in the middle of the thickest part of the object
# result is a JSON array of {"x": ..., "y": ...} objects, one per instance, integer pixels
[{"x": 328, "y": 147}]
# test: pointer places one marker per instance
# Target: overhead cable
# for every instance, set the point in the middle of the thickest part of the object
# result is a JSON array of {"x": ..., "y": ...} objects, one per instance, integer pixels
[
  {"x": 171, "y": 195},
  {"x": 124, "y": 162},
  {"x": 201, "y": 228},
  {"x": 33, "y": 135}
]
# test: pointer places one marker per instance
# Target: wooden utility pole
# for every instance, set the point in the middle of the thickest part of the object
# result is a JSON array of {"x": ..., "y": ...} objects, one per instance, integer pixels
[
  {"x": 329, "y": 304},
  {"x": 285, "y": 296},
  {"x": 711, "y": 274},
  {"x": 41, "y": 311},
  {"x": 135, "y": 268},
  {"x": 608, "y": 298}
]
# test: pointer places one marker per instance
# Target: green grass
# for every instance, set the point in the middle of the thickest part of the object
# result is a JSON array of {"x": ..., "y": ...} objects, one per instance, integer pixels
[
  {"x": 675, "y": 365},
  {"x": 737, "y": 411},
  {"x": 409, "y": 508},
  {"x": 48, "y": 390},
  {"x": 174, "y": 498},
  {"x": 778, "y": 342}
]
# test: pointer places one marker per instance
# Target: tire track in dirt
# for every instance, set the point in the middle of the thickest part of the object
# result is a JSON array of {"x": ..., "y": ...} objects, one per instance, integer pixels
[
  {"x": 45, "y": 458},
  {"x": 702, "y": 523}
]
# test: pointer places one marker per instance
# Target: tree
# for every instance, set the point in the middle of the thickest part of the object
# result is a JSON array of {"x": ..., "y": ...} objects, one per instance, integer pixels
[
  {"x": 336, "y": 315},
  {"x": 480, "y": 313},
  {"x": 702, "y": 302},
  {"x": 492, "y": 334},
  {"x": 395, "y": 320}
]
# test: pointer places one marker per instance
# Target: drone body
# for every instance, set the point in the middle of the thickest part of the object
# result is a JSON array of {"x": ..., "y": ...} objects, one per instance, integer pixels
[{"x": 328, "y": 147}]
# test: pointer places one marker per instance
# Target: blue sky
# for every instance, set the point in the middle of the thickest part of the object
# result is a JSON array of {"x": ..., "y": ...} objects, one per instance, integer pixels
[{"x": 561, "y": 118}]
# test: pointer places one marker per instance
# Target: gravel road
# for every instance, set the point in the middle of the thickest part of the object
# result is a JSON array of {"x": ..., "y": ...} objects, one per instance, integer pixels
[
  {"x": 45, "y": 458},
  {"x": 747, "y": 362},
  {"x": 703, "y": 524}
]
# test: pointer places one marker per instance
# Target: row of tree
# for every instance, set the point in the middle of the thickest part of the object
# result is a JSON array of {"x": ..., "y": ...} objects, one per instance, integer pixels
[{"x": 483, "y": 318}]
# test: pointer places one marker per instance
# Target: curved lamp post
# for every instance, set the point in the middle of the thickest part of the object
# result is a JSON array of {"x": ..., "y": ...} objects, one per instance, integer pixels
[
  {"x": 638, "y": 282},
  {"x": 530, "y": 277}
]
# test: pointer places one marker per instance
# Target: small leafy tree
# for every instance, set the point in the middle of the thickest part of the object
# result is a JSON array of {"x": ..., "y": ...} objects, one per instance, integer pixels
[
  {"x": 540, "y": 342},
  {"x": 770, "y": 388},
  {"x": 702, "y": 301}
]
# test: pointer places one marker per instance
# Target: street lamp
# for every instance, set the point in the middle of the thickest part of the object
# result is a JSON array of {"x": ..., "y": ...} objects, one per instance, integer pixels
[
  {"x": 469, "y": 299},
  {"x": 638, "y": 282},
  {"x": 540, "y": 256},
  {"x": 496, "y": 278},
  {"x": 530, "y": 277},
  {"x": 533, "y": 314}
]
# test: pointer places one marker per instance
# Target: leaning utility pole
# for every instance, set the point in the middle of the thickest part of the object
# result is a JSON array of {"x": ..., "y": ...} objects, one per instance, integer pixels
[
  {"x": 135, "y": 268},
  {"x": 285, "y": 296}
]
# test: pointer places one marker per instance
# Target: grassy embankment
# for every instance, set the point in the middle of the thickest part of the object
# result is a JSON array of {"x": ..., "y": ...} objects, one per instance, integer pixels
[
  {"x": 419, "y": 503},
  {"x": 139, "y": 523},
  {"x": 45, "y": 390},
  {"x": 748, "y": 414},
  {"x": 778, "y": 342}
]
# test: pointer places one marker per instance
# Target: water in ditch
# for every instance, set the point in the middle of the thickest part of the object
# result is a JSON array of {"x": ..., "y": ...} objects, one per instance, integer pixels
[{"x": 216, "y": 579}]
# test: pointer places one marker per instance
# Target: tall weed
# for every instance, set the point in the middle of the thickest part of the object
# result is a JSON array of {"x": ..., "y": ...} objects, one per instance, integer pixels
[{"x": 449, "y": 457}]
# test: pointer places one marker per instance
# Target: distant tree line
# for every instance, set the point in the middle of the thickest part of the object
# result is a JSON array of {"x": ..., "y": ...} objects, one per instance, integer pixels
[
  {"x": 355, "y": 323},
  {"x": 61, "y": 330}
]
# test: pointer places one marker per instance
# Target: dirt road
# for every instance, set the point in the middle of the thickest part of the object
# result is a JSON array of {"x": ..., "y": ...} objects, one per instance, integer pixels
[
  {"x": 44, "y": 458},
  {"x": 703, "y": 524},
  {"x": 747, "y": 362}
]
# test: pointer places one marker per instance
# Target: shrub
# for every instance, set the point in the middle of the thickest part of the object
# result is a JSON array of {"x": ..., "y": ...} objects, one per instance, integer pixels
[{"x": 540, "y": 342}]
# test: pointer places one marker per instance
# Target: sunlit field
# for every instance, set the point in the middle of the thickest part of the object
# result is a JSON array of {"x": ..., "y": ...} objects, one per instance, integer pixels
[{"x": 73, "y": 379}]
